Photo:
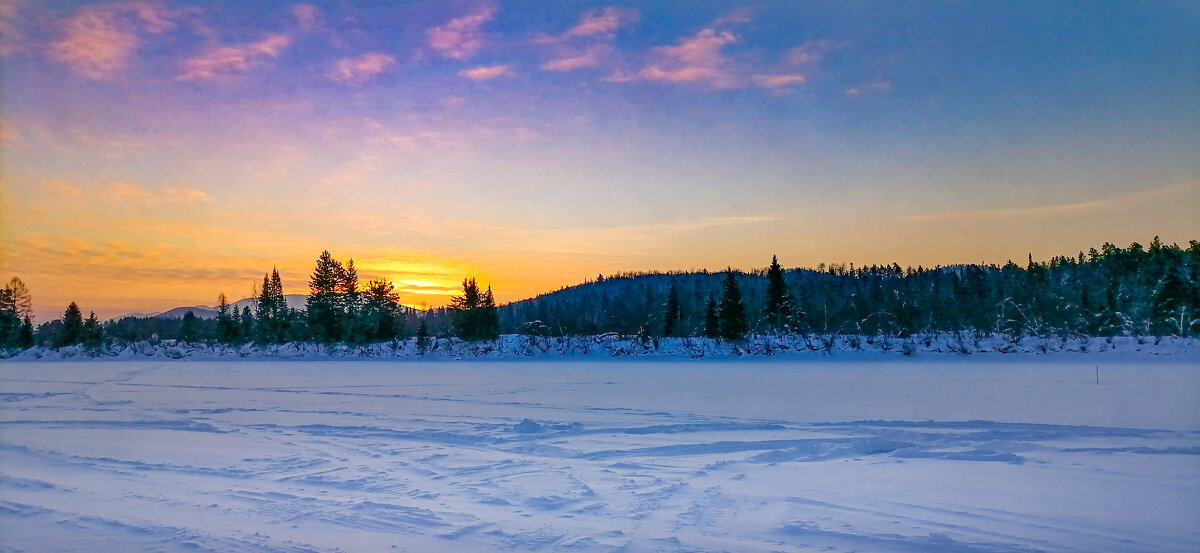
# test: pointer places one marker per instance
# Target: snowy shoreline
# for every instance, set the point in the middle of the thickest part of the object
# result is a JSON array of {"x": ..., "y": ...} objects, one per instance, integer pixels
[{"x": 516, "y": 346}]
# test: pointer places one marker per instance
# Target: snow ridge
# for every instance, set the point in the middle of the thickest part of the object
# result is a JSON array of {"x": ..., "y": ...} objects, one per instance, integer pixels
[{"x": 517, "y": 346}]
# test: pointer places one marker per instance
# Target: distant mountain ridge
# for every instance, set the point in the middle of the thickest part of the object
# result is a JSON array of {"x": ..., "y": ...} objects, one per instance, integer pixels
[{"x": 298, "y": 302}]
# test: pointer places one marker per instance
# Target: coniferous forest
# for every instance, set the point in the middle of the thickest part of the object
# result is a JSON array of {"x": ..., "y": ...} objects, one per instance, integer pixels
[{"x": 1138, "y": 290}]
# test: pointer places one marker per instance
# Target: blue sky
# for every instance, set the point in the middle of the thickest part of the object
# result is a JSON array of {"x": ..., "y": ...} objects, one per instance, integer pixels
[{"x": 189, "y": 146}]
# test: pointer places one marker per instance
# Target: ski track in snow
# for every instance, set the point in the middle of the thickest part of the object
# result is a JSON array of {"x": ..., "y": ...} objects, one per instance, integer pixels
[{"x": 949, "y": 456}]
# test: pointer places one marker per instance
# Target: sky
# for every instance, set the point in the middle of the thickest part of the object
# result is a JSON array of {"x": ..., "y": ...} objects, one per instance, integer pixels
[{"x": 157, "y": 153}]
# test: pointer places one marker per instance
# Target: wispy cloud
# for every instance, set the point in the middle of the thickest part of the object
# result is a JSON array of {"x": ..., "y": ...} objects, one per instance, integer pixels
[
  {"x": 361, "y": 69},
  {"x": 308, "y": 17},
  {"x": 226, "y": 61},
  {"x": 1097, "y": 205},
  {"x": 586, "y": 44},
  {"x": 487, "y": 72},
  {"x": 877, "y": 87},
  {"x": 126, "y": 191},
  {"x": 98, "y": 42},
  {"x": 694, "y": 58},
  {"x": 589, "y": 57},
  {"x": 603, "y": 23},
  {"x": 461, "y": 37}
]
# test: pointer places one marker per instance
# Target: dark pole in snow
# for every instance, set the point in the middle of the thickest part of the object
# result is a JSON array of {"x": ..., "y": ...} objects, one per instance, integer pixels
[{"x": 1097, "y": 374}]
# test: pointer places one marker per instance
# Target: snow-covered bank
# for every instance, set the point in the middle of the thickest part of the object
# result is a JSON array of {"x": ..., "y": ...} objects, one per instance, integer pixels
[
  {"x": 610, "y": 345},
  {"x": 967, "y": 454}
]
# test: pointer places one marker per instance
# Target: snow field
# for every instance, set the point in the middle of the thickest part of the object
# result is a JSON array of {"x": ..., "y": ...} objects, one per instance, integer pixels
[{"x": 948, "y": 454}]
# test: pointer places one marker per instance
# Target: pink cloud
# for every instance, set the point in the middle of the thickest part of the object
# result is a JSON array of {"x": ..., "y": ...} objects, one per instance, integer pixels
[
  {"x": 487, "y": 72},
  {"x": 570, "y": 62},
  {"x": 360, "y": 69},
  {"x": 99, "y": 42},
  {"x": 461, "y": 37},
  {"x": 778, "y": 81},
  {"x": 224, "y": 62},
  {"x": 602, "y": 23},
  {"x": 695, "y": 59},
  {"x": 308, "y": 17}
]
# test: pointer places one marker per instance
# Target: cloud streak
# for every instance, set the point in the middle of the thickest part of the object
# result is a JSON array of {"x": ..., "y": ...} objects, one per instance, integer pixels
[
  {"x": 224, "y": 62},
  {"x": 1098, "y": 205},
  {"x": 361, "y": 69},
  {"x": 487, "y": 72},
  {"x": 461, "y": 37}
]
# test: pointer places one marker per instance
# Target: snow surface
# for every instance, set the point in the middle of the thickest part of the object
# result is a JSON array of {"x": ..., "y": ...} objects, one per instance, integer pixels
[
  {"x": 510, "y": 346},
  {"x": 846, "y": 453}
]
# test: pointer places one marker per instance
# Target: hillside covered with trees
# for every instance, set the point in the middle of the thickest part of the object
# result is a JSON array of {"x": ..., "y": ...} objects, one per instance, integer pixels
[{"x": 1138, "y": 291}]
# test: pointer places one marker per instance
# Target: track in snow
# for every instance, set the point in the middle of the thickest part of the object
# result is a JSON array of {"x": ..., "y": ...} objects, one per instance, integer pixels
[{"x": 967, "y": 456}]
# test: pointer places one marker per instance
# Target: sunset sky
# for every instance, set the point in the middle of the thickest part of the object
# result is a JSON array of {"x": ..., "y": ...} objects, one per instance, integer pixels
[{"x": 156, "y": 154}]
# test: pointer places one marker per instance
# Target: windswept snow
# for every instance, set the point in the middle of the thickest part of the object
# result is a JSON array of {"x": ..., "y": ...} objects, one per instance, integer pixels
[{"x": 942, "y": 454}]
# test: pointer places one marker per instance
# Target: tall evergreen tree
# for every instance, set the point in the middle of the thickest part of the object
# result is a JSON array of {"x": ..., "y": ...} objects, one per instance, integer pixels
[
  {"x": 712, "y": 322},
  {"x": 25, "y": 336},
  {"x": 91, "y": 332},
  {"x": 672, "y": 314},
  {"x": 474, "y": 313},
  {"x": 381, "y": 311},
  {"x": 489, "y": 319},
  {"x": 731, "y": 311},
  {"x": 71, "y": 332},
  {"x": 187, "y": 330},
  {"x": 226, "y": 321},
  {"x": 779, "y": 304},
  {"x": 326, "y": 320}
]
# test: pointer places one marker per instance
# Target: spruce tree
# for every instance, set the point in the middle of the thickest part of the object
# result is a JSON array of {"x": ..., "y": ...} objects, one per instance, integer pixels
[
  {"x": 91, "y": 332},
  {"x": 226, "y": 325},
  {"x": 489, "y": 319},
  {"x": 326, "y": 319},
  {"x": 712, "y": 323},
  {"x": 350, "y": 302},
  {"x": 731, "y": 311},
  {"x": 422, "y": 336},
  {"x": 672, "y": 313},
  {"x": 25, "y": 337},
  {"x": 465, "y": 310},
  {"x": 187, "y": 330},
  {"x": 71, "y": 332},
  {"x": 381, "y": 311},
  {"x": 778, "y": 307}
]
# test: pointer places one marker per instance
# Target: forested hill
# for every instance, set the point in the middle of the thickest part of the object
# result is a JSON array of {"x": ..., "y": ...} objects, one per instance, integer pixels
[{"x": 1106, "y": 291}]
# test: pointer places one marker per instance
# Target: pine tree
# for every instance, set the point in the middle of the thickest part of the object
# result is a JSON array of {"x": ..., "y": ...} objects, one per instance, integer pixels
[
  {"x": 187, "y": 330},
  {"x": 465, "y": 310},
  {"x": 672, "y": 313},
  {"x": 326, "y": 319},
  {"x": 381, "y": 311},
  {"x": 350, "y": 302},
  {"x": 91, "y": 333},
  {"x": 489, "y": 319},
  {"x": 246, "y": 326},
  {"x": 226, "y": 325},
  {"x": 731, "y": 312},
  {"x": 422, "y": 336},
  {"x": 25, "y": 337},
  {"x": 71, "y": 332},
  {"x": 1170, "y": 305},
  {"x": 778, "y": 307},
  {"x": 712, "y": 323}
]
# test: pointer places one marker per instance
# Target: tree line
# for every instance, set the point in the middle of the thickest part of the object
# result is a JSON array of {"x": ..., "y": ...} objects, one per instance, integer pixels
[{"x": 1103, "y": 292}]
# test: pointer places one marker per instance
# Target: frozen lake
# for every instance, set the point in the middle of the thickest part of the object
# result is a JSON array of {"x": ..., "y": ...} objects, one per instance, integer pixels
[{"x": 934, "y": 453}]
